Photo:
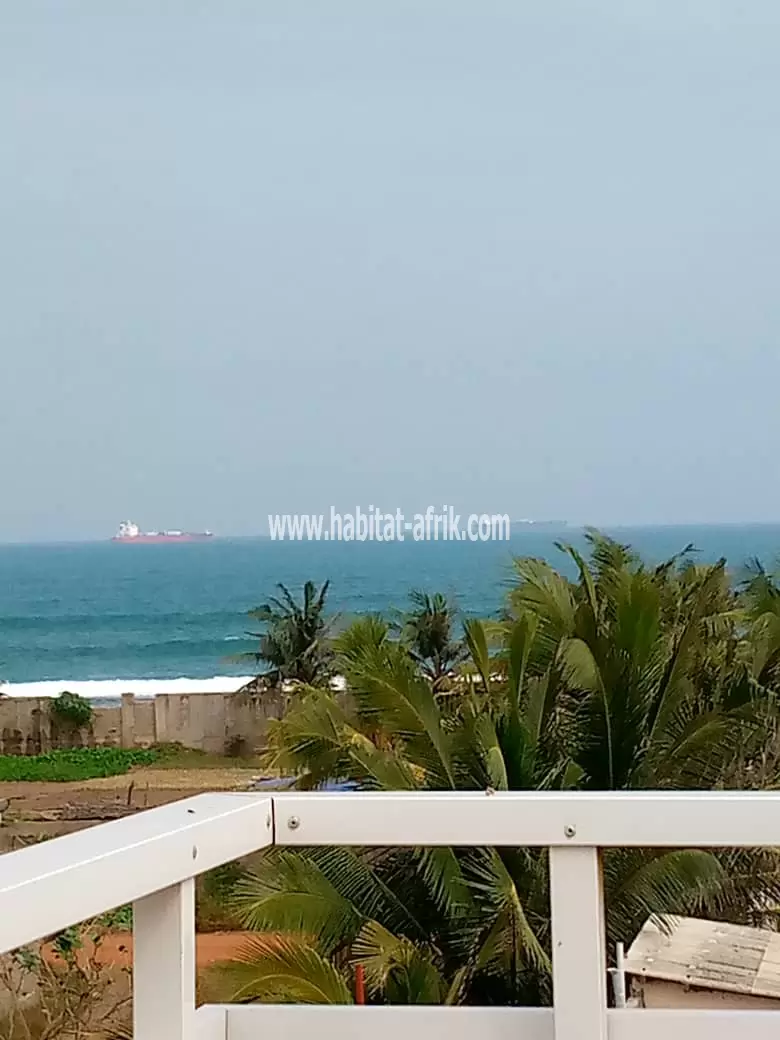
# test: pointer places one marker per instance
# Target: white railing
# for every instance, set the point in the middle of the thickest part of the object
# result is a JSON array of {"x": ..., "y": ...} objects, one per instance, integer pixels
[{"x": 151, "y": 860}]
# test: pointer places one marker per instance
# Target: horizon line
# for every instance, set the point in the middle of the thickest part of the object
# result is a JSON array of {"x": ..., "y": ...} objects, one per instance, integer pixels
[{"x": 523, "y": 526}]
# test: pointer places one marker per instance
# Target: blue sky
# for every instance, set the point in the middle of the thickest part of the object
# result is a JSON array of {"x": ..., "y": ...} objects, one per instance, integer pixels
[{"x": 273, "y": 257}]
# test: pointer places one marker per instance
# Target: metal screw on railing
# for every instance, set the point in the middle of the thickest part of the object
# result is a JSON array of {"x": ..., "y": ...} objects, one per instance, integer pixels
[
  {"x": 293, "y": 823},
  {"x": 569, "y": 830}
]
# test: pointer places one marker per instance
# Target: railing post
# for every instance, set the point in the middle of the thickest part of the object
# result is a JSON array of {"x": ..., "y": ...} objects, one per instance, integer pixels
[
  {"x": 578, "y": 944},
  {"x": 619, "y": 976},
  {"x": 164, "y": 964}
]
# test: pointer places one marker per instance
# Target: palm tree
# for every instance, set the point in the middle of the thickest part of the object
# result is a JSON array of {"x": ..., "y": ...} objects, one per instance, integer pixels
[
  {"x": 761, "y": 600},
  {"x": 295, "y": 642},
  {"x": 630, "y": 677},
  {"x": 427, "y": 632},
  {"x": 647, "y": 659}
]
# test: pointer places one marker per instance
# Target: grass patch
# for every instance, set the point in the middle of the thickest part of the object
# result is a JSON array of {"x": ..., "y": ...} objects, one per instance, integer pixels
[
  {"x": 88, "y": 763},
  {"x": 74, "y": 764}
]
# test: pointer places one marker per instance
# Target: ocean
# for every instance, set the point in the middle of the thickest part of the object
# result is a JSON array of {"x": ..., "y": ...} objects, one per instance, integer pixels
[{"x": 101, "y": 619}]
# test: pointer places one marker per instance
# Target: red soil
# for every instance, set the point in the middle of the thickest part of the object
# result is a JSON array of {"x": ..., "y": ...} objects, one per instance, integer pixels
[{"x": 211, "y": 948}]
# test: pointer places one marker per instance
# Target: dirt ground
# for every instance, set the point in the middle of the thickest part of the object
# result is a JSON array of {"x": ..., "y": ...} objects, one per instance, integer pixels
[
  {"x": 139, "y": 789},
  {"x": 210, "y": 948},
  {"x": 38, "y": 810}
]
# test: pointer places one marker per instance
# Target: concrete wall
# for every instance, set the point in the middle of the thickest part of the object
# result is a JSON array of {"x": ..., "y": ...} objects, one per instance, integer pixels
[{"x": 219, "y": 723}]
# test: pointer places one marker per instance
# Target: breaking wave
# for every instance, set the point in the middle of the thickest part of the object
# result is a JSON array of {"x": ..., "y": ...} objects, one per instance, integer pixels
[{"x": 112, "y": 689}]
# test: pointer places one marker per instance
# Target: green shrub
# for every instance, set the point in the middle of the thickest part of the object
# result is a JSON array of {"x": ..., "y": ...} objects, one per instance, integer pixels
[
  {"x": 74, "y": 764},
  {"x": 72, "y": 709}
]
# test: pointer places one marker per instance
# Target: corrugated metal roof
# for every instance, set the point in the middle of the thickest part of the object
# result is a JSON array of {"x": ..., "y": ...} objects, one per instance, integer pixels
[{"x": 708, "y": 954}]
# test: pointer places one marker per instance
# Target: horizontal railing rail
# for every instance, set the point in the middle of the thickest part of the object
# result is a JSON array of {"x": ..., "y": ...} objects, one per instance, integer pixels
[
  {"x": 640, "y": 819},
  {"x": 152, "y": 858},
  {"x": 228, "y": 1022}
]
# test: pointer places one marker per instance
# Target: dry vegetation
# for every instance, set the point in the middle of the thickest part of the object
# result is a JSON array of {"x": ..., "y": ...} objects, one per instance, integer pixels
[{"x": 65, "y": 990}]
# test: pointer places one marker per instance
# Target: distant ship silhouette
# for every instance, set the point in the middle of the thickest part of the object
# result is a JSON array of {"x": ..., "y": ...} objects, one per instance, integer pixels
[{"x": 130, "y": 533}]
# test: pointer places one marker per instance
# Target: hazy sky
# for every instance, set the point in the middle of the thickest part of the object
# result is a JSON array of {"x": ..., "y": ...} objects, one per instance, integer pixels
[{"x": 273, "y": 256}]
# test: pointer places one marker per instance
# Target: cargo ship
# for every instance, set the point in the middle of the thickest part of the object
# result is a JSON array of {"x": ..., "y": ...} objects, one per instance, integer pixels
[{"x": 131, "y": 533}]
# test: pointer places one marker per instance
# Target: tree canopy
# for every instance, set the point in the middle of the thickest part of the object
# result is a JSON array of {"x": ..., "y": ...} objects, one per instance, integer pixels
[
  {"x": 294, "y": 643},
  {"x": 630, "y": 677}
]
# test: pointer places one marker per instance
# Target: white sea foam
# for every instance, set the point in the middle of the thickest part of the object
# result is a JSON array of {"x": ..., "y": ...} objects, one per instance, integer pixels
[
  {"x": 104, "y": 689},
  {"x": 112, "y": 689}
]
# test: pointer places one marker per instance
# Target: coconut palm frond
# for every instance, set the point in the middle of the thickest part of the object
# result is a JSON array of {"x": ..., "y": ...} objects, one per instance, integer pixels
[
  {"x": 405, "y": 971},
  {"x": 289, "y": 893},
  {"x": 280, "y": 970}
]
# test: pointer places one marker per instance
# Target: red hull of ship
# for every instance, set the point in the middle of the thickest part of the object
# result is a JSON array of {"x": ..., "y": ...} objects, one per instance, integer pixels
[{"x": 155, "y": 539}]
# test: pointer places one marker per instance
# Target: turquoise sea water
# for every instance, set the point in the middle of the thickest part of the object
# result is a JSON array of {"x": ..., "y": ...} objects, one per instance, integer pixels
[{"x": 71, "y": 613}]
